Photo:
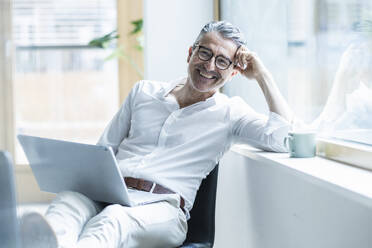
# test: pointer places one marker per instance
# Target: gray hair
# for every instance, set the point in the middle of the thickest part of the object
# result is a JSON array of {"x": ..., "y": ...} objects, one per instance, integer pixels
[{"x": 225, "y": 29}]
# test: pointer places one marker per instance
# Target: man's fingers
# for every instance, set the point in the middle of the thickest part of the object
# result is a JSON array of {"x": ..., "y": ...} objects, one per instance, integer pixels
[
  {"x": 238, "y": 60},
  {"x": 244, "y": 59},
  {"x": 242, "y": 62}
]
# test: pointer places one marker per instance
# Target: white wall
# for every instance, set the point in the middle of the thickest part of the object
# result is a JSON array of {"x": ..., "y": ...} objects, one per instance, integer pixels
[
  {"x": 265, "y": 206},
  {"x": 170, "y": 28}
]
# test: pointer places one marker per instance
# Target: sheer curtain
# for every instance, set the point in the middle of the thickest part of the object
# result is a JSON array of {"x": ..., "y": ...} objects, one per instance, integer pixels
[
  {"x": 319, "y": 52},
  {"x": 264, "y": 26},
  {"x": 348, "y": 112}
]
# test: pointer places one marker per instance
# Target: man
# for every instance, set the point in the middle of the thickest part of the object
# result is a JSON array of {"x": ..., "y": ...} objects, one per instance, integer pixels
[{"x": 169, "y": 136}]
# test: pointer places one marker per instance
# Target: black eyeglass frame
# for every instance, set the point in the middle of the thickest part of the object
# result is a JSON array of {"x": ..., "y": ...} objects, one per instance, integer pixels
[{"x": 212, "y": 55}]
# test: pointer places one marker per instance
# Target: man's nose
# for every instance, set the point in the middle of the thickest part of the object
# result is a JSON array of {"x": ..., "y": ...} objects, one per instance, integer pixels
[{"x": 210, "y": 64}]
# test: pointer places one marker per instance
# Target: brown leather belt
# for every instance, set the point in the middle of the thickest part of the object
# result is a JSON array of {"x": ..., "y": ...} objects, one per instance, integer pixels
[{"x": 146, "y": 185}]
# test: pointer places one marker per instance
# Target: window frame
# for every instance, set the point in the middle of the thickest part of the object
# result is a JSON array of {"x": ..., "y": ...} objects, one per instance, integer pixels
[{"x": 6, "y": 83}]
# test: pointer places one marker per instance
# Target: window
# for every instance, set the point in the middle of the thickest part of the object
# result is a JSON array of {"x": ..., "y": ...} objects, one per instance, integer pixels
[
  {"x": 320, "y": 53},
  {"x": 63, "y": 88}
]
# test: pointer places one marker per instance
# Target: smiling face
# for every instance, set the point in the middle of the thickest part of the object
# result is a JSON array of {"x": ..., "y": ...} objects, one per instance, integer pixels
[{"x": 203, "y": 75}]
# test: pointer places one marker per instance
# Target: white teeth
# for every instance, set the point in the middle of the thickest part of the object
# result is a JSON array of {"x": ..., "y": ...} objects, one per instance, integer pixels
[{"x": 206, "y": 75}]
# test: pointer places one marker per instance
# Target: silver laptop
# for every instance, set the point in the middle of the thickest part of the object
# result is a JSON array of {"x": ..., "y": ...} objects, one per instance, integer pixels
[{"x": 68, "y": 166}]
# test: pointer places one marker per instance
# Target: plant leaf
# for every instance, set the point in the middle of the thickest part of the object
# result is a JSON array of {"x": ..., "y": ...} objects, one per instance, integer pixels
[
  {"x": 138, "y": 24},
  {"x": 104, "y": 41}
]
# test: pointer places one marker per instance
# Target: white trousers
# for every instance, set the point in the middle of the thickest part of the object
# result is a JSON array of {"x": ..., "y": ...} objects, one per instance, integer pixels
[{"x": 81, "y": 222}]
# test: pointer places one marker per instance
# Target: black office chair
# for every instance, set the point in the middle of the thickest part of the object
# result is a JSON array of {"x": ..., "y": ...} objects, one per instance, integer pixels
[{"x": 201, "y": 224}]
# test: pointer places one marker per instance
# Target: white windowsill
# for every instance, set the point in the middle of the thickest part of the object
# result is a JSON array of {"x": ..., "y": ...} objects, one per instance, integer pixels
[
  {"x": 350, "y": 181},
  {"x": 345, "y": 152}
]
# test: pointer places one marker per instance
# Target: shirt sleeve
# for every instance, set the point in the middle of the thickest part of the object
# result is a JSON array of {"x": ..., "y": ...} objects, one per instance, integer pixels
[
  {"x": 250, "y": 127},
  {"x": 119, "y": 126}
]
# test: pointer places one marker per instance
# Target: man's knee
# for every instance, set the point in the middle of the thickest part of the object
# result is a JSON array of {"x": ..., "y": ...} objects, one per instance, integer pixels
[
  {"x": 115, "y": 212},
  {"x": 71, "y": 195},
  {"x": 113, "y": 209},
  {"x": 74, "y": 200}
]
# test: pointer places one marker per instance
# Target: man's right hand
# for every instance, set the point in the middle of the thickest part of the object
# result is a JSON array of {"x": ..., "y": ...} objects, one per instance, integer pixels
[{"x": 249, "y": 64}]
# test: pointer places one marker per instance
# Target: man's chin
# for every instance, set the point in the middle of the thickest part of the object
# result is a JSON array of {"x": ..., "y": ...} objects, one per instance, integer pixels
[{"x": 203, "y": 88}]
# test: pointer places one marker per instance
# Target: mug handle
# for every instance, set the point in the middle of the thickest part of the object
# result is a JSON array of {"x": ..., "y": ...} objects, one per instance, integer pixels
[{"x": 287, "y": 139}]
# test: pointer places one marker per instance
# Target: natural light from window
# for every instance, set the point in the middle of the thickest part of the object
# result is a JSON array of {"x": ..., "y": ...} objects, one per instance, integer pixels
[
  {"x": 63, "y": 88},
  {"x": 320, "y": 53}
]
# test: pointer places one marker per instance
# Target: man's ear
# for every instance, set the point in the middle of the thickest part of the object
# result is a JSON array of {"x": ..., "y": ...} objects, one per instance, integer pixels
[{"x": 190, "y": 53}]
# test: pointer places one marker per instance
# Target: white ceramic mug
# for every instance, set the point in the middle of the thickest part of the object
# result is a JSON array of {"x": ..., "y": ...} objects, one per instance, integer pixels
[{"x": 301, "y": 144}]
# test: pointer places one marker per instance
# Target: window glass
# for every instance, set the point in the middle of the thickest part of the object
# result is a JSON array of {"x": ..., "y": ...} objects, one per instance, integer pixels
[
  {"x": 319, "y": 52},
  {"x": 63, "y": 88}
]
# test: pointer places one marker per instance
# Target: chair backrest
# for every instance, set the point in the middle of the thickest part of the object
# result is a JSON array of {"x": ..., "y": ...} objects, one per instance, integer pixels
[
  {"x": 8, "y": 211},
  {"x": 201, "y": 224}
]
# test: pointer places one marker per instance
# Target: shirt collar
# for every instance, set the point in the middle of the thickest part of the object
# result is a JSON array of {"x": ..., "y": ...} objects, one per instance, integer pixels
[
  {"x": 182, "y": 80},
  {"x": 172, "y": 85}
]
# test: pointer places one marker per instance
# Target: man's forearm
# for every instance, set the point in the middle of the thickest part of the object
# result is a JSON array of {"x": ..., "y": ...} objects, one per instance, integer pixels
[
  {"x": 250, "y": 66},
  {"x": 274, "y": 98}
]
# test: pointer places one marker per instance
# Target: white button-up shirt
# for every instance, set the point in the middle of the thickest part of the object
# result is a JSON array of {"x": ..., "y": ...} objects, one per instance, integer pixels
[{"x": 156, "y": 140}]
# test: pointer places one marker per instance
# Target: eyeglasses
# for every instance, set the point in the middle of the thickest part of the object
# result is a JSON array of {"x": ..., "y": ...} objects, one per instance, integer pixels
[{"x": 221, "y": 62}]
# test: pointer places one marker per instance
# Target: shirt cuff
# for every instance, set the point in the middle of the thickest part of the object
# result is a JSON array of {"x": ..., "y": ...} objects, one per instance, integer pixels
[{"x": 277, "y": 128}]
